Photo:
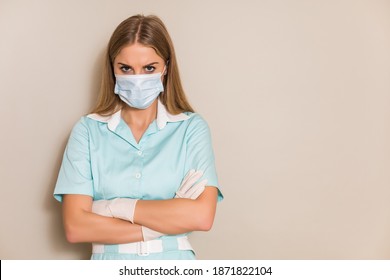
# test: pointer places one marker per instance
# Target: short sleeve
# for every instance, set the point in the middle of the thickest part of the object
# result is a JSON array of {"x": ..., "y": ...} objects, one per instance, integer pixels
[
  {"x": 200, "y": 154},
  {"x": 75, "y": 176}
]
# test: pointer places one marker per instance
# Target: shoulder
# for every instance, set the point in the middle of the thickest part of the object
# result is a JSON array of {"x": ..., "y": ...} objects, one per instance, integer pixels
[
  {"x": 197, "y": 126},
  {"x": 91, "y": 121},
  {"x": 85, "y": 126},
  {"x": 196, "y": 120},
  {"x": 80, "y": 130}
]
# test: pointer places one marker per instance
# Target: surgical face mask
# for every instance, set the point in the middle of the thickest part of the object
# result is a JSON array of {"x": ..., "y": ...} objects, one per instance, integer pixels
[{"x": 139, "y": 91}]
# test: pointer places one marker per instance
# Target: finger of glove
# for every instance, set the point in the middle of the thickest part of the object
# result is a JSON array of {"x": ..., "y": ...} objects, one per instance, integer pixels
[
  {"x": 186, "y": 178},
  {"x": 197, "y": 189},
  {"x": 198, "y": 192},
  {"x": 190, "y": 182},
  {"x": 191, "y": 177},
  {"x": 189, "y": 174},
  {"x": 178, "y": 195}
]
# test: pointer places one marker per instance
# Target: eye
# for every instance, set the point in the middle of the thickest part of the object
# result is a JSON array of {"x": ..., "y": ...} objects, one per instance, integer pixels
[
  {"x": 149, "y": 68},
  {"x": 125, "y": 69}
]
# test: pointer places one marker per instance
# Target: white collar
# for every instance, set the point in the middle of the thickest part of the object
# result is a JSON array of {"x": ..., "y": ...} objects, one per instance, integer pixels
[{"x": 163, "y": 117}]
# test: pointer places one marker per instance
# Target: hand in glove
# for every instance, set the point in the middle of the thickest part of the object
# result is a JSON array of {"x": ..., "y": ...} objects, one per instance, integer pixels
[
  {"x": 189, "y": 188},
  {"x": 121, "y": 208}
]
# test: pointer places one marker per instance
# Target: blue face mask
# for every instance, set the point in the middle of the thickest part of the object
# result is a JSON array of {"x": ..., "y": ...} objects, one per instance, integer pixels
[{"x": 139, "y": 91}]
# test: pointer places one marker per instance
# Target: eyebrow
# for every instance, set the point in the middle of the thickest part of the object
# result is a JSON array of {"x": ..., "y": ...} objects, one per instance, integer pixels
[{"x": 149, "y": 64}]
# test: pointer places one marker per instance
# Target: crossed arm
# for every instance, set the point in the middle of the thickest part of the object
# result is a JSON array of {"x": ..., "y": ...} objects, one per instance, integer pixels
[{"x": 172, "y": 216}]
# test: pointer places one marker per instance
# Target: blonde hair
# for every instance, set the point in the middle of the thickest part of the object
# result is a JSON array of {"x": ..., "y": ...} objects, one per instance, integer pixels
[{"x": 149, "y": 31}]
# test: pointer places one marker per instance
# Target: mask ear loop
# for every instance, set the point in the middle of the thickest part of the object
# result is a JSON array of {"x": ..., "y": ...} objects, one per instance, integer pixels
[
  {"x": 166, "y": 68},
  {"x": 164, "y": 73}
]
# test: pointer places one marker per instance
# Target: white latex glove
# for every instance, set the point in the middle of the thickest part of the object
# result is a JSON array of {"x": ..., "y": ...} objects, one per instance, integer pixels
[
  {"x": 121, "y": 208},
  {"x": 189, "y": 187},
  {"x": 100, "y": 207},
  {"x": 149, "y": 234}
]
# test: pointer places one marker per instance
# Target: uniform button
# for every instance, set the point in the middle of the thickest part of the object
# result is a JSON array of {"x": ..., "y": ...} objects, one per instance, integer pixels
[
  {"x": 138, "y": 175},
  {"x": 139, "y": 153}
]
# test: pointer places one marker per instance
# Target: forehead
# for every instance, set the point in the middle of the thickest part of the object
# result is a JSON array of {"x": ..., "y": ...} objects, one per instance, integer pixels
[{"x": 137, "y": 54}]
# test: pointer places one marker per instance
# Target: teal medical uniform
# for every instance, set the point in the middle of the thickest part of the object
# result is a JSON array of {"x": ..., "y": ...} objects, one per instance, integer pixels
[{"x": 103, "y": 160}]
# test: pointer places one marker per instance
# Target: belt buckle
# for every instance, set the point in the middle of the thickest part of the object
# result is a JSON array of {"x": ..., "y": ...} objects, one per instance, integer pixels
[{"x": 142, "y": 249}]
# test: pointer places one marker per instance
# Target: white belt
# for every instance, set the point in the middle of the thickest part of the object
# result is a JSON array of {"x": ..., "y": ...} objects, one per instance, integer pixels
[{"x": 145, "y": 248}]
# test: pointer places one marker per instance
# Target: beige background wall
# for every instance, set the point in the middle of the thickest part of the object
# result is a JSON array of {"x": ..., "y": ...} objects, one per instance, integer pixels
[{"x": 297, "y": 94}]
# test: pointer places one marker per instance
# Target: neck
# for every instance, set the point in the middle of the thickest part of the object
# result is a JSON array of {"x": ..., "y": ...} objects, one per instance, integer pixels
[{"x": 139, "y": 118}]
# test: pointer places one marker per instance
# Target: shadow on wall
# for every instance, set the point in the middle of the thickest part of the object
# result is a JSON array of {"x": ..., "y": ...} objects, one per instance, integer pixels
[{"x": 57, "y": 240}]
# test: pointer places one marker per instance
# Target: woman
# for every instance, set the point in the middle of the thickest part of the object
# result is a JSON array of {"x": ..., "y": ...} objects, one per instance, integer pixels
[{"x": 138, "y": 172}]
